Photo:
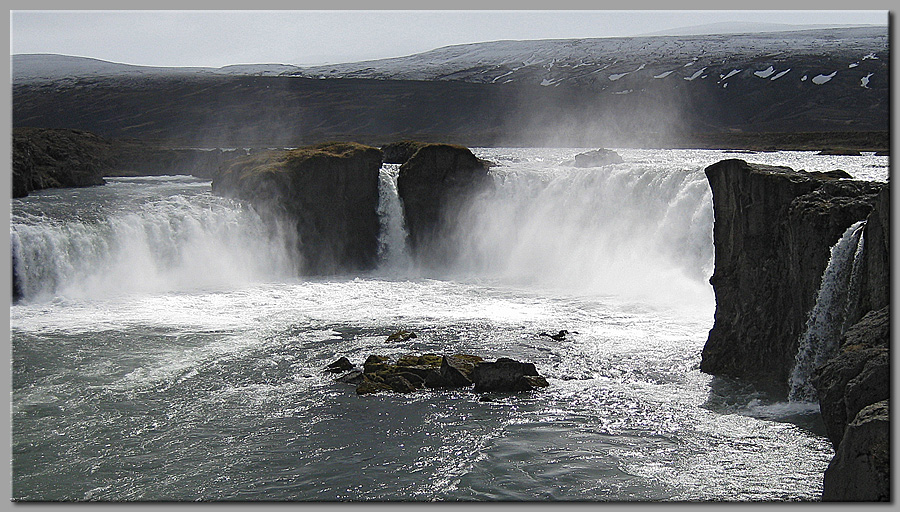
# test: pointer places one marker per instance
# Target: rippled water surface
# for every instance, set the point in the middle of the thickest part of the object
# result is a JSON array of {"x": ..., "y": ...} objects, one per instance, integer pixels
[{"x": 177, "y": 355}]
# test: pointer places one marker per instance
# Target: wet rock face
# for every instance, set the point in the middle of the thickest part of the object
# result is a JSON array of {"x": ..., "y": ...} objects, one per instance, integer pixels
[
  {"x": 435, "y": 185},
  {"x": 410, "y": 372},
  {"x": 507, "y": 375},
  {"x": 328, "y": 191},
  {"x": 860, "y": 469},
  {"x": 597, "y": 158},
  {"x": 860, "y": 375},
  {"x": 773, "y": 231}
]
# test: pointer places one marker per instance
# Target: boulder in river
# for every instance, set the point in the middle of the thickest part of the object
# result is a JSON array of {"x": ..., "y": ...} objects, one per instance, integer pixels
[{"x": 597, "y": 158}]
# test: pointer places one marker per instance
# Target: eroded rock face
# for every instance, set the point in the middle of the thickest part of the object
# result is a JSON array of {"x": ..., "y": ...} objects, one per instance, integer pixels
[
  {"x": 597, "y": 158},
  {"x": 860, "y": 469},
  {"x": 400, "y": 152},
  {"x": 56, "y": 158},
  {"x": 434, "y": 185},
  {"x": 47, "y": 158},
  {"x": 507, "y": 375},
  {"x": 773, "y": 231},
  {"x": 860, "y": 375},
  {"x": 328, "y": 191}
]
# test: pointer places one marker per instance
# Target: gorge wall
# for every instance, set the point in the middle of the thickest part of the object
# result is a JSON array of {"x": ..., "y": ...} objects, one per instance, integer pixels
[
  {"x": 49, "y": 158},
  {"x": 773, "y": 231}
]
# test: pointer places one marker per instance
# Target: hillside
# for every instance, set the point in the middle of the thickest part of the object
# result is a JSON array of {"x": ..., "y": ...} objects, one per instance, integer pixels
[{"x": 672, "y": 90}]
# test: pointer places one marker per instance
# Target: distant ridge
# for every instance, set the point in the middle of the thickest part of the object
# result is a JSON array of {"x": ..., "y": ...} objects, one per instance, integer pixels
[{"x": 739, "y": 27}]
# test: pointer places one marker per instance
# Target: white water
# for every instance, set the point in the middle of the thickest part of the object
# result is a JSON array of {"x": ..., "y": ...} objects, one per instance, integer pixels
[
  {"x": 828, "y": 318},
  {"x": 117, "y": 240},
  {"x": 167, "y": 350},
  {"x": 393, "y": 247}
]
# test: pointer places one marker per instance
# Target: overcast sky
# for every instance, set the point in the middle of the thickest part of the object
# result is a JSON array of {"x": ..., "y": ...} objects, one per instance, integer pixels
[{"x": 219, "y": 38}]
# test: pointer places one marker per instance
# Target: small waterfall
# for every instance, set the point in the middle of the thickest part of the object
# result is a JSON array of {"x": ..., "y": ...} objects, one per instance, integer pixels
[
  {"x": 837, "y": 298},
  {"x": 393, "y": 249},
  {"x": 169, "y": 244}
]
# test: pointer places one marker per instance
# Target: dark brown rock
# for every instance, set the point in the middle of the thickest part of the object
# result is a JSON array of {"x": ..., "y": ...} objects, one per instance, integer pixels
[
  {"x": 505, "y": 375},
  {"x": 858, "y": 376},
  {"x": 328, "y": 191},
  {"x": 773, "y": 231},
  {"x": 861, "y": 469},
  {"x": 597, "y": 158},
  {"x": 434, "y": 185},
  {"x": 400, "y": 152},
  {"x": 56, "y": 158},
  {"x": 341, "y": 365}
]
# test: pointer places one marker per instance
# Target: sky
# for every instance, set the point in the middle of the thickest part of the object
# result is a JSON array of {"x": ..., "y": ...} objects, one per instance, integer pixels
[{"x": 308, "y": 37}]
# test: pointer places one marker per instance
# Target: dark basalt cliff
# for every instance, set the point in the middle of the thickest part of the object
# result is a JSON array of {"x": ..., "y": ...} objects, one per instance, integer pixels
[
  {"x": 328, "y": 191},
  {"x": 434, "y": 185},
  {"x": 50, "y": 158},
  {"x": 773, "y": 231},
  {"x": 56, "y": 158}
]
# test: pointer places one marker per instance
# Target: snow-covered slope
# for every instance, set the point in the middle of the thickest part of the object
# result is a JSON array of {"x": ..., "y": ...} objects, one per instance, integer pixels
[{"x": 600, "y": 63}]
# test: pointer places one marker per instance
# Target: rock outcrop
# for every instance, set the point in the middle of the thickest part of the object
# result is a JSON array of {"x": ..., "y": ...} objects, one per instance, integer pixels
[
  {"x": 48, "y": 158},
  {"x": 773, "y": 231},
  {"x": 434, "y": 371},
  {"x": 56, "y": 158},
  {"x": 861, "y": 467},
  {"x": 328, "y": 191},
  {"x": 597, "y": 158},
  {"x": 435, "y": 184},
  {"x": 400, "y": 152},
  {"x": 858, "y": 376}
]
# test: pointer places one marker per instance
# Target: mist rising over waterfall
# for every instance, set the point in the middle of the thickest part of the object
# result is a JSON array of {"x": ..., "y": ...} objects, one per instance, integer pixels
[
  {"x": 121, "y": 238},
  {"x": 632, "y": 229},
  {"x": 167, "y": 328}
]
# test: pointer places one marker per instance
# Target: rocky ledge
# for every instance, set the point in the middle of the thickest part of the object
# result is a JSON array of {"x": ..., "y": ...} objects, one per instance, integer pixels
[
  {"x": 773, "y": 231},
  {"x": 51, "y": 158},
  {"x": 328, "y": 191},
  {"x": 409, "y": 373}
]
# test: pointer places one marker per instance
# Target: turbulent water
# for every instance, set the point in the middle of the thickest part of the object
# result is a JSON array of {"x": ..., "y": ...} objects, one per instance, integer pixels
[
  {"x": 165, "y": 348},
  {"x": 828, "y": 318}
]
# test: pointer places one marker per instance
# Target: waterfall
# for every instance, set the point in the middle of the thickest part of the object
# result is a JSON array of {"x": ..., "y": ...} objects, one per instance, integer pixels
[
  {"x": 625, "y": 229},
  {"x": 164, "y": 244},
  {"x": 834, "y": 306},
  {"x": 393, "y": 248}
]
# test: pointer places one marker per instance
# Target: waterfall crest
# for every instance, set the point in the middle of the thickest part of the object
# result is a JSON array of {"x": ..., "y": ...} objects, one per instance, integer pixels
[
  {"x": 624, "y": 229},
  {"x": 166, "y": 244},
  {"x": 828, "y": 319}
]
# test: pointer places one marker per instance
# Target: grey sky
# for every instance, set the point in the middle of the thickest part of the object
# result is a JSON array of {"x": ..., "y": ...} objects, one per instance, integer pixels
[{"x": 218, "y": 38}]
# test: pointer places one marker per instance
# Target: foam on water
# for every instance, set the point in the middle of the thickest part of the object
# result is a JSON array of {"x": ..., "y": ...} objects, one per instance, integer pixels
[{"x": 192, "y": 386}]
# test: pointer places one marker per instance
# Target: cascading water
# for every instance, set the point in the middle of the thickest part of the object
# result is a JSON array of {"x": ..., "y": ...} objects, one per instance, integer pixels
[
  {"x": 176, "y": 242},
  {"x": 204, "y": 380},
  {"x": 625, "y": 229},
  {"x": 393, "y": 249},
  {"x": 833, "y": 308}
]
